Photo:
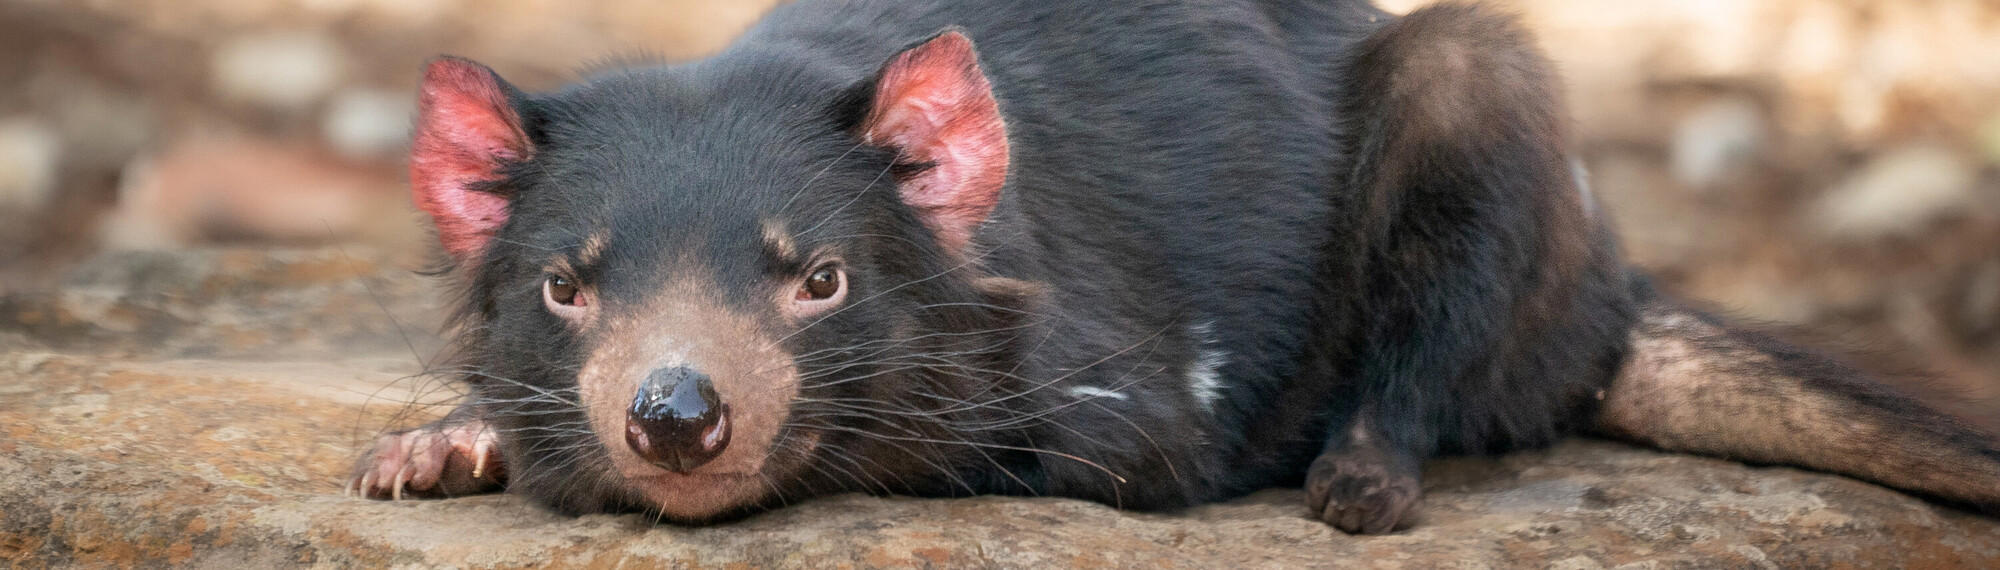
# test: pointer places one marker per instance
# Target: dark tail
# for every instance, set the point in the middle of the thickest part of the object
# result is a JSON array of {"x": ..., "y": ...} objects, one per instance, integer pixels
[{"x": 1698, "y": 385}]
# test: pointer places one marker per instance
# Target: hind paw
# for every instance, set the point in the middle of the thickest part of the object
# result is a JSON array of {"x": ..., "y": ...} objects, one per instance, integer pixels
[
  {"x": 431, "y": 461},
  {"x": 1363, "y": 490}
]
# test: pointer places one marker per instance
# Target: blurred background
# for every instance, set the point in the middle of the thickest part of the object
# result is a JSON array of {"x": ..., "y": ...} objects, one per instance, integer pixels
[{"x": 1832, "y": 163}]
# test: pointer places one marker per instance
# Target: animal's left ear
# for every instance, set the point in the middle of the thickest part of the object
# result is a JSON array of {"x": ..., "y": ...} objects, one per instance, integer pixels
[{"x": 934, "y": 107}]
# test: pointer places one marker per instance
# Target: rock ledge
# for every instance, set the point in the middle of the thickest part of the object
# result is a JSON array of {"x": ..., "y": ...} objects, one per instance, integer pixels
[{"x": 224, "y": 448}]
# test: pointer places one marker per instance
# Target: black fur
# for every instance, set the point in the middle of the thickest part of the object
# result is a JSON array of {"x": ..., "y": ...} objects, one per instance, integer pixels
[
  {"x": 1172, "y": 165},
  {"x": 1368, "y": 227}
]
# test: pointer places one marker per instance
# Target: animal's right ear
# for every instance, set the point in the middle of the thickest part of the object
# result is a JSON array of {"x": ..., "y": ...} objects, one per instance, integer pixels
[{"x": 468, "y": 130}]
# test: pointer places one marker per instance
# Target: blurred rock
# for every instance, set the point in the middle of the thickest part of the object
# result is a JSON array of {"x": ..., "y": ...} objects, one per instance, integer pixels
[
  {"x": 1899, "y": 194},
  {"x": 29, "y": 155},
  {"x": 1653, "y": 214},
  {"x": 286, "y": 71},
  {"x": 1817, "y": 40},
  {"x": 101, "y": 126},
  {"x": 1982, "y": 299},
  {"x": 369, "y": 123},
  {"x": 1721, "y": 136}
]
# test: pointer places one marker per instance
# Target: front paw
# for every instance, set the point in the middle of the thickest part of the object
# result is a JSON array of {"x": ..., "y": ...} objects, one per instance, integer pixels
[
  {"x": 1364, "y": 490},
  {"x": 431, "y": 461}
]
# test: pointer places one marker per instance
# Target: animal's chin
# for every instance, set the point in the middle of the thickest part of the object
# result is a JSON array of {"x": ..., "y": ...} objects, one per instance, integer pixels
[{"x": 697, "y": 496}]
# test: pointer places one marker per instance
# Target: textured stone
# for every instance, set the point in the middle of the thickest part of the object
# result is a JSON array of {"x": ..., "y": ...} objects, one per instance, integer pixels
[{"x": 199, "y": 409}]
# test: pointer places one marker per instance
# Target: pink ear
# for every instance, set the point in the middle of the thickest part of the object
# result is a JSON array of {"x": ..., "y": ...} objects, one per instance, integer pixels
[
  {"x": 466, "y": 130},
  {"x": 934, "y": 107}
]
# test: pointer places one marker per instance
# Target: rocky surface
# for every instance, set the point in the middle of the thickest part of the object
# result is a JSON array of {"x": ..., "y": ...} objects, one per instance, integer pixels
[{"x": 199, "y": 409}]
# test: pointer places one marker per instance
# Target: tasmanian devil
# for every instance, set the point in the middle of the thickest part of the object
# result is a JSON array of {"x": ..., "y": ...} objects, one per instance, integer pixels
[{"x": 1145, "y": 253}]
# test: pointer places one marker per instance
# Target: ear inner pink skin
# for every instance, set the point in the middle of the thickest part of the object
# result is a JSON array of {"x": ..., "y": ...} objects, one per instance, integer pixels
[
  {"x": 933, "y": 105},
  {"x": 465, "y": 130}
]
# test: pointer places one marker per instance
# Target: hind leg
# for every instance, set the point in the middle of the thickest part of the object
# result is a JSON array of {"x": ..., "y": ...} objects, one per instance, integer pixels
[{"x": 1479, "y": 298}]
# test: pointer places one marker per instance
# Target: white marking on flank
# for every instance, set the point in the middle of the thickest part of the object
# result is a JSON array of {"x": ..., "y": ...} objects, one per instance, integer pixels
[
  {"x": 1093, "y": 392},
  {"x": 1205, "y": 375}
]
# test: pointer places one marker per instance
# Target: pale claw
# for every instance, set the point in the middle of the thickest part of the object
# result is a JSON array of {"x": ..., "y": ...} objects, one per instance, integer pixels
[
  {"x": 480, "y": 451},
  {"x": 402, "y": 480}
]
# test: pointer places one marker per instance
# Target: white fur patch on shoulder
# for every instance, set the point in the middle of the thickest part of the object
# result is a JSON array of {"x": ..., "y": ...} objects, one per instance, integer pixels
[
  {"x": 1093, "y": 392},
  {"x": 1583, "y": 191},
  {"x": 1204, "y": 376}
]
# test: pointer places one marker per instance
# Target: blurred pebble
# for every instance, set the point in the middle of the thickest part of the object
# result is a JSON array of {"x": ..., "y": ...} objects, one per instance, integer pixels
[
  {"x": 1897, "y": 194},
  {"x": 1989, "y": 139},
  {"x": 284, "y": 71},
  {"x": 369, "y": 123},
  {"x": 401, "y": 12},
  {"x": 1982, "y": 298},
  {"x": 29, "y": 154},
  {"x": 330, "y": 7},
  {"x": 1717, "y": 138},
  {"x": 412, "y": 12}
]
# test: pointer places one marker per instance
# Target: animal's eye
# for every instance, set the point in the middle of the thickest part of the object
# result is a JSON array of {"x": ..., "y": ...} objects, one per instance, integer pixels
[
  {"x": 821, "y": 290},
  {"x": 562, "y": 291},
  {"x": 824, "y": 283},
  {"x": 565, "y": 297}
]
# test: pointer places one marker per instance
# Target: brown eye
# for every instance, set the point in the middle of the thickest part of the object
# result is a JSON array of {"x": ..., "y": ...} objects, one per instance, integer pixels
[
  {"x": 562, "y": 291},
  {"x": 823, "y": 284}
]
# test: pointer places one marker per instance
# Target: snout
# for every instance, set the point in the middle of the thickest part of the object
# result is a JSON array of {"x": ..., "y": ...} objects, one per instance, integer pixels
[
  {"x": 690, "y": 424},
  {"x": 677, "y": 422}
]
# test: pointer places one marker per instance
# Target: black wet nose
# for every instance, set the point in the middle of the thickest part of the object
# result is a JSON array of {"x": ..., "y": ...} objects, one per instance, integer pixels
[{"x": 678, "y": 422}]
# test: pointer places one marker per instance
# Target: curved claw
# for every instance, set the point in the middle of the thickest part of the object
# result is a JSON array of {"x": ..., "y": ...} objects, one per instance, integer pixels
[{"x": 402, "y": 480}]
